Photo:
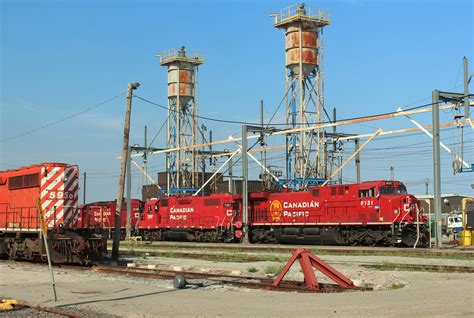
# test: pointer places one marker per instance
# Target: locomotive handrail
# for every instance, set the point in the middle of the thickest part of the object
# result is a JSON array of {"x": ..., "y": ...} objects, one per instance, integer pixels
[
  {"x": 417, "y": 227},
  {"x": 17, "y": 219}
]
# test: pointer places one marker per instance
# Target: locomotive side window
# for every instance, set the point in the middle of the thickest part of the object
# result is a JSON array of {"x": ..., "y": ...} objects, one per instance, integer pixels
[
  {"x": 156, "y": 208},
  {"x": 341, "y": 190},
  {"x": 149, "y": 209},
  {"x": 333, "y": 191},
  {"x": 367, "y": 193},
  {"x": 401, "y": 189},
  {"x": 392, "y": 190},
  {"x": 212, "y": 202},
  {"x": 387, "y": 190},
  {"x": 316, "y": 193},
  {"x": 25, "y": 181}
]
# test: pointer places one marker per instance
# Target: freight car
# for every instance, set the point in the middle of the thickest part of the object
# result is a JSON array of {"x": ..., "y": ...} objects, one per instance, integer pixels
[
  {"x": 368, "y": 213},
  {"x": 56, "y": 186},
  {"x": 102, "y": 215}
]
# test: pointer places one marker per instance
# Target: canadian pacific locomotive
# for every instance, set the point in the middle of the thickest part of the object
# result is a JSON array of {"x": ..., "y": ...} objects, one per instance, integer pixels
[
  {"x": 56, "y": 187},
  {"x": 102, "y": 215},
  {"x": 368, "y": 213}
]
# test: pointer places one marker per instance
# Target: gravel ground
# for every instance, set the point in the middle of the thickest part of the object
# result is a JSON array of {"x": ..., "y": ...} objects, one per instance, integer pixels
[
  {"x": 348, "y": 265},
  {"x": 397, "y": 293},
  {"x": 26, "y": 312},
  {"x": 100, "y": 295}
]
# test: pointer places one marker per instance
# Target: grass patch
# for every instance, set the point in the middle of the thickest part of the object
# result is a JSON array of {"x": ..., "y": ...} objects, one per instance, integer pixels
[
  {"x": 252, "y": 269},
  {"x": 398, "y": 285},
  {"x": 218, "y": 257},
  {"x": 420, "y": 253},
  {"x": 420, "y": 268},
  {"x": 273, "y": 269}
]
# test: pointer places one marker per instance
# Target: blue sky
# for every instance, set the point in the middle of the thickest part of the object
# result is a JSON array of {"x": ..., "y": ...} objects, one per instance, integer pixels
[{"x": 60, "y": 57}]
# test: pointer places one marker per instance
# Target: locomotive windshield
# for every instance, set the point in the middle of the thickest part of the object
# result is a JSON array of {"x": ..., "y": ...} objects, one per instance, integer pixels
[{"x": 392, "y": 190}]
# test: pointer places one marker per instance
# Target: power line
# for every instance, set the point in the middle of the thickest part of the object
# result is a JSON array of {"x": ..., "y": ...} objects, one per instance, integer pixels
[
  {"x": 282, "y": 124},
  {"x": 53, "y": 123}
]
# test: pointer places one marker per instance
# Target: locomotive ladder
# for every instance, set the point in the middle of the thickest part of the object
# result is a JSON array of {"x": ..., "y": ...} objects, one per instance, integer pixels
[{"x": 308, "y": 262}]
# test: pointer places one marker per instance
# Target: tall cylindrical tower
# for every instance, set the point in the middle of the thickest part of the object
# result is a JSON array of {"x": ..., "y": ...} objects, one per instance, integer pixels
[
  {"x": 303, "y": 26},
  {"x": 181, "y": 164}
]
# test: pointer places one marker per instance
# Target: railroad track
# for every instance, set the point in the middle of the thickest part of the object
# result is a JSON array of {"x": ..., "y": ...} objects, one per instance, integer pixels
[
  {"x": 421, "y": 267},
  {"x": 18, "y": 308},
  {"x": 239, "y": 281},
  {"x": 355, "y": 250},
  {"x": 259, "y": 258}
]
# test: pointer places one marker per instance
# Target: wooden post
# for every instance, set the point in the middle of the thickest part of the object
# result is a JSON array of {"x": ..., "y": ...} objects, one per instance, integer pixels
[{"x": 123, "y": 165}]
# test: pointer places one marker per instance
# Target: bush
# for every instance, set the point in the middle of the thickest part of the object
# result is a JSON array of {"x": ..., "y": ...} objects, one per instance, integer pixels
[{"x": 252, "y": 269}]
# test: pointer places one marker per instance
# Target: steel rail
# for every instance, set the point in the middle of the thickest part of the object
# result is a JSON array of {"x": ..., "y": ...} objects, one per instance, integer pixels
[
  {"x": 51, "y": 310},
  {"x": 249, "y": 281},
  {"x": 257, "y": 258},
  {"x": 314, "y": 248}
]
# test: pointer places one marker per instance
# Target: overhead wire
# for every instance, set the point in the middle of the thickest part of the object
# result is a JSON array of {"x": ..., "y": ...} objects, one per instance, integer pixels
[
  {"x": 53, "y": 123},
  {"x": 284, "y": 124}
]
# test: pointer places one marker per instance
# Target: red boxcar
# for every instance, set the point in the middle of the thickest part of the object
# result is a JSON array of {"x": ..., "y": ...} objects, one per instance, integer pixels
[
  {"x": 56, "y": 186},
  {"x": 208, "y": 219}
]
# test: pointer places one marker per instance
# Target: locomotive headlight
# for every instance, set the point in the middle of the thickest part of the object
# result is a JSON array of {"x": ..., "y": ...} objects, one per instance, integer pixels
[{"x": 396, "y": 211}]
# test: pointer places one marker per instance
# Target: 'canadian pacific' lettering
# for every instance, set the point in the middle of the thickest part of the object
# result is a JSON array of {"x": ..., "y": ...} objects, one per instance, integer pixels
[
  {"x": 300, "y": 205},
  {"x": 181, "y": 210}
]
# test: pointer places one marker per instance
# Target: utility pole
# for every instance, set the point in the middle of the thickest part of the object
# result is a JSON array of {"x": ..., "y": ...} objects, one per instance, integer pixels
[
  {"x": 123, "y": 164},
  {"x": 427, "y": 184},
  {"x": 436, "y": 168},
  {"x": 84, "y": 189},
  {"x": 245, "y": 171},
  {"x": 392, "y": 173},
  {"x": 203, "y": 161},
  {"x": 339, "y": 174},
  {"x": 263, "y": 154},
  {"x": 129, "y": 195},
  {"x": 145, "y": 160},
  {"x": 231, "y": 177},
  {"x": 467, "y": 115},
  {"x": 357, "y": 159},
  {"x": 334, "y": 142}
]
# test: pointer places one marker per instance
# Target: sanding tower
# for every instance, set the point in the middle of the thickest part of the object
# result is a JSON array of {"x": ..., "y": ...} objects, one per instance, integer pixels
[
  {"x": 305, "y": 150},
  {"x": 182, "y": 164}
]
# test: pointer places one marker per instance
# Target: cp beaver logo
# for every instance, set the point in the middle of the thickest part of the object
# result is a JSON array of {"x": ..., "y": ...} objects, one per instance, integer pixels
[{"x": 276, "y": 209}]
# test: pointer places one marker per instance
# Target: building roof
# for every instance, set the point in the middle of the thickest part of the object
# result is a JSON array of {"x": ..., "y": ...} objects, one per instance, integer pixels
[{"x": 446, "y": 195}]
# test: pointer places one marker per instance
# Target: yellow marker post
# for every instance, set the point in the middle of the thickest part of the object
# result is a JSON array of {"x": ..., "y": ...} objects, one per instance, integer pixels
[{"x": 44, "y": 234}]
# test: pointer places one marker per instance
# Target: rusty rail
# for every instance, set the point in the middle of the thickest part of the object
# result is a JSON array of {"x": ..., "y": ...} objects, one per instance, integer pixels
[{"x": 239, "y": 281}]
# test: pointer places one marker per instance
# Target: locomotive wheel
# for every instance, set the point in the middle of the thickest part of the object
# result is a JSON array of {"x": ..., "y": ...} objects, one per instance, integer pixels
[{"x": 199, "y": 236}]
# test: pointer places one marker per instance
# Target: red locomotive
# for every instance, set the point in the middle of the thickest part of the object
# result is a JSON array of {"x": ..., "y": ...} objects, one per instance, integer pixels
[
  {"x": 210, "y": 218},
  {"x": 368, "y": 213},
  {"x": 56, "y": 186},
  {"x": 102, "y": 215}
]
